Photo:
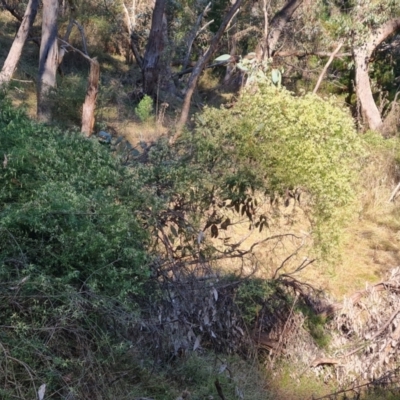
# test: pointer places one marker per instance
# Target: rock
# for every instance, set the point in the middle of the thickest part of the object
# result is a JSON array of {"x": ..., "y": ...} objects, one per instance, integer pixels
[{"x": 104, "y": 137}]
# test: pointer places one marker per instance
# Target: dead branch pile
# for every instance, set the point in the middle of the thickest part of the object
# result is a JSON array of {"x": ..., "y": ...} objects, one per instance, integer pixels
[
  {"x": 364, "y": 350},
  {"x": 195, "y": 310},
  {"x": 200, "y": 310},
  {"x": 366, "y": 332},
  {"x": 192, "y": 310}
]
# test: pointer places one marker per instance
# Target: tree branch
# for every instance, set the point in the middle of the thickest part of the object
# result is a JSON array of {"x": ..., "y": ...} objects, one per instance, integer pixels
[
  {"x": 195, "y": 32},
  {"x": 323, "y": 72},
  {"x": 199, "y": 68}
]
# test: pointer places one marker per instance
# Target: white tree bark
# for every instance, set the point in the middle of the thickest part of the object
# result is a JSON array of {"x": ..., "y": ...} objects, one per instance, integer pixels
[
  {"x": 48, "y": 59},
  {"x": 362, "y": 56},
  {"x": 11, "y": 62}
]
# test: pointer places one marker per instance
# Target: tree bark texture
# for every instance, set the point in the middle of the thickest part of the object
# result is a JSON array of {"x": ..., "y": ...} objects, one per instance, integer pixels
[
  {"x": 48, "y": 59},
  {"x": 89, "y": 105},
  {"x": 362, "y": 55},
  {"x": 194, "y": 77},
  {"x": 130, "y": 23},
  {"x": 277, "y": 25},
  {"x": 11, "y": 62},
  {"x": 151, "y": 63}
]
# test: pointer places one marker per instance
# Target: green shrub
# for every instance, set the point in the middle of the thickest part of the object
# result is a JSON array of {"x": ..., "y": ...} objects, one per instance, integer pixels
[
  {"x": 273, "y": 141},
  {"x": 144, "y": 109},
  {"x": 72, "y": 255},
  {"x": 67, "y": 210}
]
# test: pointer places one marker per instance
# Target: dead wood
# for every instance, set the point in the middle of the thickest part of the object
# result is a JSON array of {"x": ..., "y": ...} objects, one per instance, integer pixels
[
  {"x": 324, "y": 361},
  {"x": 219, "y": 389},
  {"x": 332, "y": 309}
]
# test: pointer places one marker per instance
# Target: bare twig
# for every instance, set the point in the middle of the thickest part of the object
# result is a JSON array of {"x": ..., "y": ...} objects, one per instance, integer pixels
[
  {"x": 281, "y": 336},
  {"x": 195, "y": 32},
  {"x": 328, "y": 63},
  {"x": 219, "y": 389},
  {"x": 394, "y": 193}
]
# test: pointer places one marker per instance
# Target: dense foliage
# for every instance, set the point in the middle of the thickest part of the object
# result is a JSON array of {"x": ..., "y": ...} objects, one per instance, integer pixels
[
  {"x": 274, "y": 142},
  {"x": 67, "y": 210}
]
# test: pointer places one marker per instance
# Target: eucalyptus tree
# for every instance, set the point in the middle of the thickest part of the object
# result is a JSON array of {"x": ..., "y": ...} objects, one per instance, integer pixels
[
  {"x": 48, "y": 59},
  {"x": 362, "y": 26},
  {"x": 374, "y": 22},
  {"x": 14, "y": 55}
]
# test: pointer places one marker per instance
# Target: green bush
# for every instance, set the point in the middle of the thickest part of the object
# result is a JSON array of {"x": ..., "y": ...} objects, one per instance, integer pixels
[
  {"x": 273, "y": 141},
  {"x": 67, "y": 210},
  {"x": 72, "y": 256},
  {"x": 144, "y": 109}
]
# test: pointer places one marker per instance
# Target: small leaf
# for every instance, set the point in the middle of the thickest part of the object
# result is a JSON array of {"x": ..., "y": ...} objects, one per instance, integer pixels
[
  {"x": 224, "y": 57},
  {"x": 214, "y": 231},
  {"x": 225, "y": 224},
  {"x": 215, "y": 294},
  {"x": 222, "y": 368},
  {"x": 249, "y": 216},
  {"x": 287, "y": 202},
  {"x": 42, "y": 391},
  {"x": 276, "y": 76},
  {"x": 197, "y": 343},
  {"x": 242, "y": 67},
  {"x": 174, "y": 232},
  {"x": 135, "y": 153}
]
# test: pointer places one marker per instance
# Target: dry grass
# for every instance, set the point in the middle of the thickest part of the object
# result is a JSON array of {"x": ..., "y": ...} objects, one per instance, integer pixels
[{"x": 370, "y": 243}]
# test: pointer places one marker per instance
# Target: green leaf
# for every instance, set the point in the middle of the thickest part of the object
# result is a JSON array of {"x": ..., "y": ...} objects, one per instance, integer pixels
[{"x": 224, "y": 57}]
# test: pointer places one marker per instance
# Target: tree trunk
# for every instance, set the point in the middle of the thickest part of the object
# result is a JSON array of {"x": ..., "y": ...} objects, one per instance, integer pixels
[
  {"x": 362, "y": 56},
  {"x": 151, "y": 64},
  {"x": 130, "y": 23},
  {"x": 199, "y": 68},
  {"x": 369, "y": 111},
  {"x": 90, "y": 100},
  {"x": 48, "y": 59},
  {"x": 276, "y": 27},
  {"x": 11, "y": 62}
]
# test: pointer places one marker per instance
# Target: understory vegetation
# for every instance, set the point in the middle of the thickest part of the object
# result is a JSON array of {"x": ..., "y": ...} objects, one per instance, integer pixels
[
  {"x": 253, "y": 254},
  {"x": 113, "y": 282}
]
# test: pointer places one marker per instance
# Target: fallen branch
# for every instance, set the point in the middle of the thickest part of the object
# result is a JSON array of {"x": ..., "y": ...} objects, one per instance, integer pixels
[{"x": 355, "y": 298}]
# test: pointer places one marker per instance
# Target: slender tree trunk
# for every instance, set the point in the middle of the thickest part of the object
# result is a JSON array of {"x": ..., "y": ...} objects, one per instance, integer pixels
[
  {"x": 323, "y": 72},
  {"x": 48, "y": 59},
  {"x": 194, "y": 77},
  {"x": 130, "y": 23},
  {"x": 274, "y": 31},
  {"x": 362, "y": 55},
  {"x": 11, "y": 62},
  {"x": 194, "y": 33},
  {"x": 89, "y": 105},
  {"x": 151, "y": 64},
  {"x": 369, "y": 111}
]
